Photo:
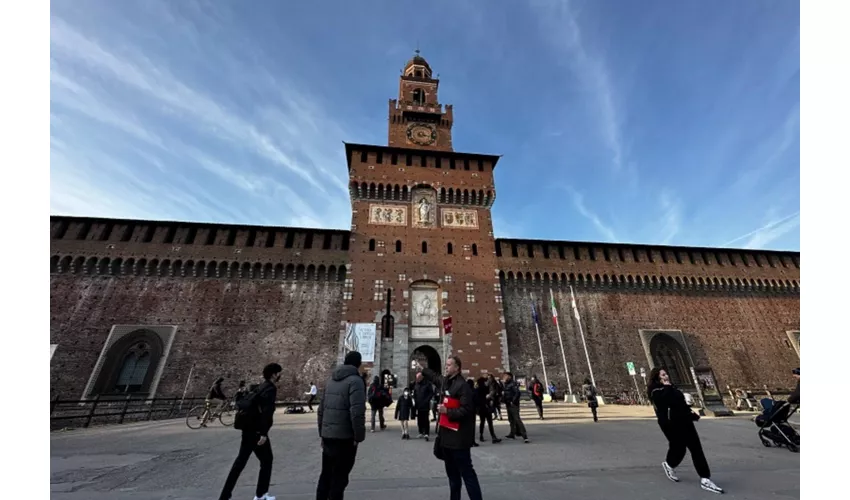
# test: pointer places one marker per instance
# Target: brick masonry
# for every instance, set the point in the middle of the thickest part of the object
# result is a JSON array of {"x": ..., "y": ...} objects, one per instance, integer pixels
[{"x": 242, "y": 296}]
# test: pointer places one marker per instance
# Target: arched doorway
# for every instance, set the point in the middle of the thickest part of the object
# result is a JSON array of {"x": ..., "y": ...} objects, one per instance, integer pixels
[
  {"x": 666, "y": 352},
  {"x": 428, "y": 357}
]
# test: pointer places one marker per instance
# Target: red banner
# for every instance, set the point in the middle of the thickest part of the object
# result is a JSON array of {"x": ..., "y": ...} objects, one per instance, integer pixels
[{"x": 447, "y": 325}]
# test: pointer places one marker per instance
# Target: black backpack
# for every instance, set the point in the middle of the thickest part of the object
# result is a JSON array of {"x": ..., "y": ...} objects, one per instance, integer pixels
[{"x": 247, "y": 409}]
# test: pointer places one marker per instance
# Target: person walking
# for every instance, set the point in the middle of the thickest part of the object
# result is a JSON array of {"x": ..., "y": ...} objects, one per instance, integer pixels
[
  {"x": 536, "y": 391},
  {"x": 423, "y": 394},
  {"x": 485, "y": 412},
  {"x": 512, "y": 406},
  {"x": 254, "y": 418},
  {"x": 794, "y": 398},
  {"x": 471, "y": 384},
  {"x": 312, "y": 393},
  {"x": 379, "y": 399},
  {"x": 590, "y": 394},
  {"x": 403, "y": 411},
  {"x": 342, "y": 425},
  {"x": 677, "y": 423},
  {"x": 454, "y": 446},
  {"x": 495, "y": 396}
]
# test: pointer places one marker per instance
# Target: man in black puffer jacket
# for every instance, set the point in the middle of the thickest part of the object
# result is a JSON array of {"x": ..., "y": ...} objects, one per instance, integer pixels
[
  {"x": 423, "y": 393},
  {"x": 457, "y": 444},
  {"x": 342, "y": 425}
]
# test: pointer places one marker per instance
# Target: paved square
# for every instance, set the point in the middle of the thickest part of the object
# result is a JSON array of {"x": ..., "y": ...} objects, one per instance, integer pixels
[{"x": 569, "y": 457}]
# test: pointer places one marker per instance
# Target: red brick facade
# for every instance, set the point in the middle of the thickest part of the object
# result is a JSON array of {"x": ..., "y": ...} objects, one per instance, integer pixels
[{"x": 207, "y": 300}]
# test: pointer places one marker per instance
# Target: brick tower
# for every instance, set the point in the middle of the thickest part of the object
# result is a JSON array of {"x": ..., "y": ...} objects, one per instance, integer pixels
[{"x": 422, "y": 246}]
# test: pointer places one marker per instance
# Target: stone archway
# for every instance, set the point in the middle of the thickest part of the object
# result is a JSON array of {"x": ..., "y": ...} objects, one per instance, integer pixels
[
  {"x": 428, "y": 357},
  {"x": 668, "y": 353}
]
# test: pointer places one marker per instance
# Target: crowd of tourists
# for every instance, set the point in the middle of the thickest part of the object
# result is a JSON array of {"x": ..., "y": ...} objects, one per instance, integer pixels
[{"x": 449, "y": 402}]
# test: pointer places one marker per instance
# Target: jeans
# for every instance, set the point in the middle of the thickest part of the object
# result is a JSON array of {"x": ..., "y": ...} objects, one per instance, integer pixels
[
  {"x": 422, "y": 421},
  {"x": 683, "y": 436},
  {"x": 517, "y": 427},
  {"x": 263, "y": 453},
  {"x": 337, "y": 461},
  {"x": 380, "y": 412},
  {"x": 459, "y": 471},
  {"x": 310, "y": 401}
]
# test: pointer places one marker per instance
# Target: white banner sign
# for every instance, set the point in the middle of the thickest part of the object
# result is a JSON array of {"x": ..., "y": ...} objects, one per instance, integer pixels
[{"x": 360, "y": 337}]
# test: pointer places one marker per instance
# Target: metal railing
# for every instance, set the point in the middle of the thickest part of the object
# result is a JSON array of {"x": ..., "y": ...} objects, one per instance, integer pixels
[{"x": 103, "y": 410}]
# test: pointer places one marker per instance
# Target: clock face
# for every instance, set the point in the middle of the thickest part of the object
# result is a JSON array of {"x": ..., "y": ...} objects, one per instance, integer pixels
[{"x": 423, "y": 134}]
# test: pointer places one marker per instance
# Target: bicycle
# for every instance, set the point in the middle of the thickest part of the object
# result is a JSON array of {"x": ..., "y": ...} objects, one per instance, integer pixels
[{"x": 199, "y": 416}]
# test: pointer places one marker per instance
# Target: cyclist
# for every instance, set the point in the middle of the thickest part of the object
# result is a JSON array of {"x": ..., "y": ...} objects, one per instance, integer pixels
[{"x": 215, "y": 393}]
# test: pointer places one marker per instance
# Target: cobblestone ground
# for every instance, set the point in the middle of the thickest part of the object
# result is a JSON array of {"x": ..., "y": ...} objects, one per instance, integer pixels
[{"x": 569, "y": 457}]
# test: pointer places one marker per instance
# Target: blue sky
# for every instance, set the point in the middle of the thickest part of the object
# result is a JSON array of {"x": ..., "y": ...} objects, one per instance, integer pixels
[{"x": 663, "y": 122}]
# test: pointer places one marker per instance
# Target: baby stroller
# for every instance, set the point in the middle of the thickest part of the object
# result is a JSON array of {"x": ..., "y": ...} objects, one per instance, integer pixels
[{"x": 774, "y": 429}]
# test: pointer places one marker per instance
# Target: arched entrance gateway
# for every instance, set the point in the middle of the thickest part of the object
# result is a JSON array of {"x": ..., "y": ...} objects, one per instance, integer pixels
[
  {"x": 427, "y": 356},
  {"x": 668, "y": 353}
]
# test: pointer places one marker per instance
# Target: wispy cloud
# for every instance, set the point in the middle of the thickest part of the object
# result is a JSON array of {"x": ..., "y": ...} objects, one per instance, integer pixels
[
  {"x": 561, "y": 24},
  {"x": 123, "y": 88},
  {"x": 578, "y": 201},
  {"x": 759, "y": 238},
  {"x": 671, "y": 218}
]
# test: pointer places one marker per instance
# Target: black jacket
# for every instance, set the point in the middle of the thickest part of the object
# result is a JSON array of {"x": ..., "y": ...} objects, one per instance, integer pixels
[
  {"x": 670, "y": 406},
  {"x": 265, "y": 403},
  {"x": 456, "y": 387},
  {"x": 511, "y": 393},
  {"x": 403, "y": 408},
  {"x": 342, "y": 410},
  {"x": 423, "y": 393},
  {"x": 216, "y": 392}
]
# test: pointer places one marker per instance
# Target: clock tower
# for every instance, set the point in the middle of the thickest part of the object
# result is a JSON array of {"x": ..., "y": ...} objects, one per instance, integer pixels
[{"x": 417, "y": 120}]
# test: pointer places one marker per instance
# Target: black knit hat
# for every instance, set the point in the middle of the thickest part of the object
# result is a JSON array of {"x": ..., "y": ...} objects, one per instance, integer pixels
[{"x": 354, "y": 359}]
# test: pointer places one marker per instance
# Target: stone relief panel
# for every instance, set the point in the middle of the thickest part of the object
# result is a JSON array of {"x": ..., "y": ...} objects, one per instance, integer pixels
[
  {"x": 424, "y": 207},
  {"x": 457, "y": 218},
  {"x": 388, "y": 215},
  {"x": 425, "y": 314}
]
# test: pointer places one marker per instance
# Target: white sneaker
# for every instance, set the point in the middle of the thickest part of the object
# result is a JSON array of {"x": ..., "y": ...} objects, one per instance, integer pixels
[
  {"x": 265, "y": 497},
  {"x": 670, "y": 472},
  {"x": 708, "y": 485}
]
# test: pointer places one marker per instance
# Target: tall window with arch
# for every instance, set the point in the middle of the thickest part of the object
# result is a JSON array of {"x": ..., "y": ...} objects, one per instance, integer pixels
[
  {"x": 134, "y": 368},
  {"x": 424, "y": 247},
  {"x": 372, "y": 245},
  {"x": 449, "y": 248},
  {"x": 398, "y": 246},
  {"x": 474, "y": 249}
]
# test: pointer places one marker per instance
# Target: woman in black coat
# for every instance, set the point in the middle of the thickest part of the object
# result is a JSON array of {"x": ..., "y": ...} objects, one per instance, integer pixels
[
  {"x": 403, "y": 412},
  {"x": 677, "y": 423},
  {"x": 484, "y": 410},
  {"x": 590, "y": 394}
]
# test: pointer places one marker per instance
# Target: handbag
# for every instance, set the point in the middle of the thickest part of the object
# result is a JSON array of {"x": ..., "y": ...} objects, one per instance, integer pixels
[{"x": 438, "y": 444}]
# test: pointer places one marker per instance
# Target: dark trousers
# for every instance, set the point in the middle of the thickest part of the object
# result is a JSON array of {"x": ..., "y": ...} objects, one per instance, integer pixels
[
  {"x": 337, "y": 461},
  {"x": 517, "y": 427},
  {"x": 380, "y": 413},
  {"x": 497, "y": 409},
  {"x": 310, "y": 401},
  {"x": 682, "y": 437},
  {"x": 459, "y": 470},
  {"x": 263, "y": 453},
  {"x": 593, "y": 410},
  {"x": 538, "y": 402},
  {"x": 485, "y": 415},
  {"x": 422, "y": 421}
]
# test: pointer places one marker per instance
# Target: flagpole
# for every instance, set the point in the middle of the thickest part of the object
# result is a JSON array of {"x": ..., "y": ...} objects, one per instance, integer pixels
[
  {"x": 581, "y": 331},
  {"x": 561, "y": 341},
  {"x": 539, "y": 344}
]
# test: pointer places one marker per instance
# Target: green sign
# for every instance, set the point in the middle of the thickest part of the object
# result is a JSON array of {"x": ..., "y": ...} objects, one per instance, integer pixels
[{"x": 631, "y": 367}]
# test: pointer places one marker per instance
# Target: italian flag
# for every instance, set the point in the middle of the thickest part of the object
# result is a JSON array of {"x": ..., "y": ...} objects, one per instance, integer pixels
[{"x": 554, "y": 309}]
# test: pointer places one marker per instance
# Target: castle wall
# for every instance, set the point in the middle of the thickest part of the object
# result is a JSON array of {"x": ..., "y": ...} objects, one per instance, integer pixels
[{"x": 741, "y": 335}]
